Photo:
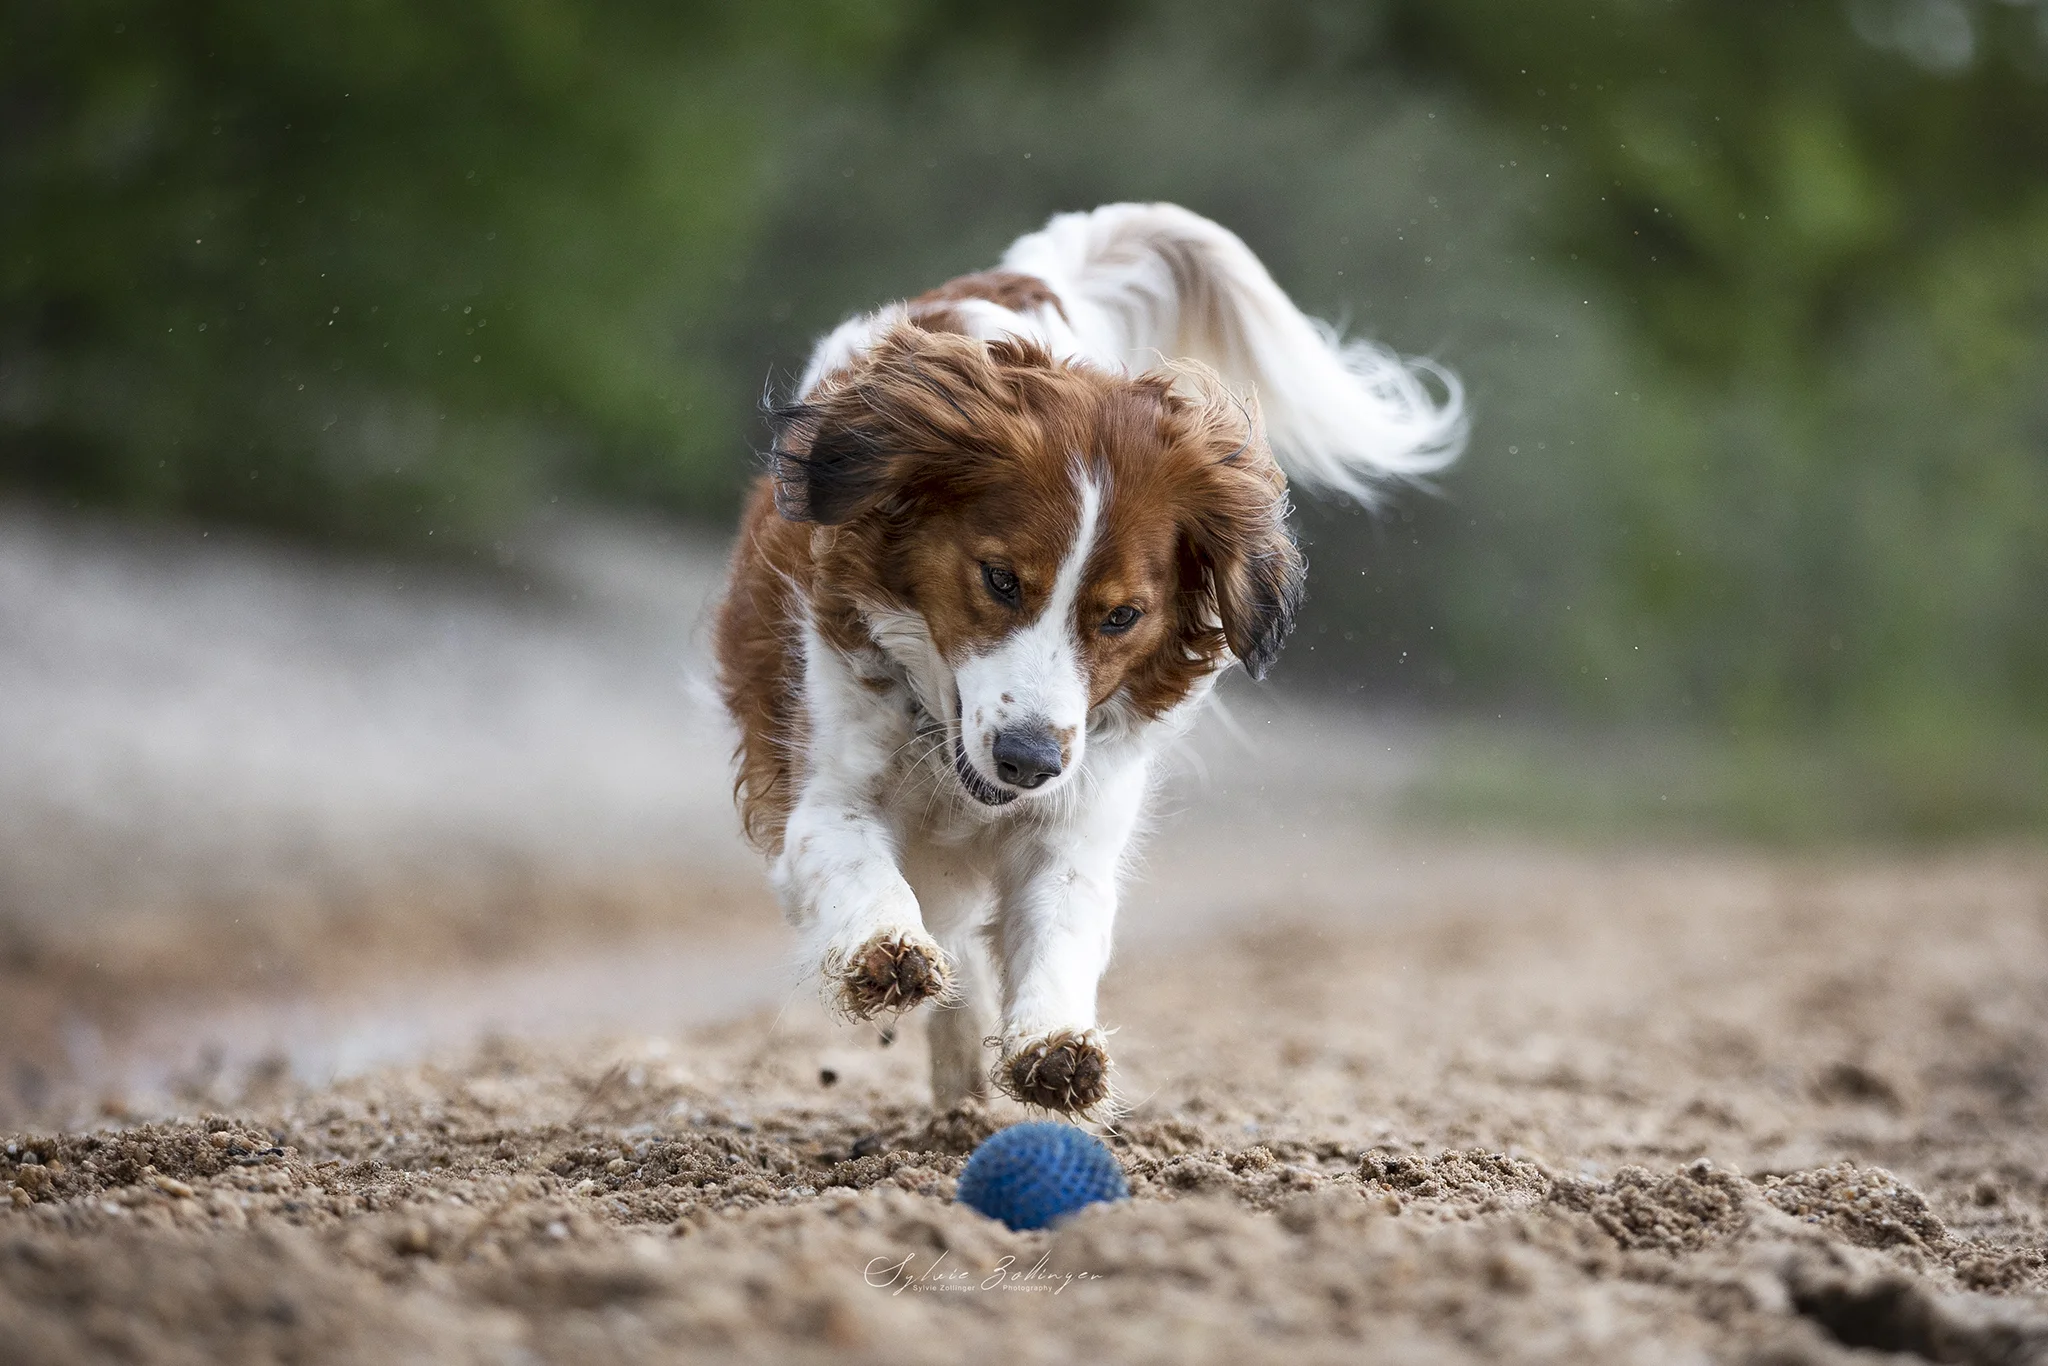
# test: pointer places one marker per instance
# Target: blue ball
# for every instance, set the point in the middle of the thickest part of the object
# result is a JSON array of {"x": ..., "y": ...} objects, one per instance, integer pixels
[{"x": 1031, "y": 1174}]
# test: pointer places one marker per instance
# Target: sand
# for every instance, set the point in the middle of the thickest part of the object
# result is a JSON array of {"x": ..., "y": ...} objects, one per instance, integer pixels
[{"x": 1680, "y": 1106}]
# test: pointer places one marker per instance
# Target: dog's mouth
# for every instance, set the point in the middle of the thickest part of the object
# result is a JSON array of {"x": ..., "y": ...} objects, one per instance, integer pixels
[{"x": 978, "y": 787}]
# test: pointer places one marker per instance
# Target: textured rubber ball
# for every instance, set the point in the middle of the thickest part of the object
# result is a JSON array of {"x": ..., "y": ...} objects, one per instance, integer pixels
[{"x": 1031, "y": 1174}]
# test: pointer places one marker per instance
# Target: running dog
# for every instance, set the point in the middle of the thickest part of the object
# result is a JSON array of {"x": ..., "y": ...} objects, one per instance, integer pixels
[{"x": 1012, "y": 532}]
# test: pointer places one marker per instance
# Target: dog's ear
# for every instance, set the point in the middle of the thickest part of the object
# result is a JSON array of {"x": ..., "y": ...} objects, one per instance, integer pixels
[
  {"x": 829, "y": 462},
  {"x": 902, "y": 417},
  {"x": 1240, "y": 558},
  {"x": 1258, "y": 593}
]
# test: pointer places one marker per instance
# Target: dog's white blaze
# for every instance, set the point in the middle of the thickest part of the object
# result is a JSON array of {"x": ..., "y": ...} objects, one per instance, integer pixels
[{"x": 1034, "y": 674}]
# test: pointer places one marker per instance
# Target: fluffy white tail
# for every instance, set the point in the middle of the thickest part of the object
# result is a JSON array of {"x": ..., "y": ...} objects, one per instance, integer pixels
[{"x": 1146, "y": 282}]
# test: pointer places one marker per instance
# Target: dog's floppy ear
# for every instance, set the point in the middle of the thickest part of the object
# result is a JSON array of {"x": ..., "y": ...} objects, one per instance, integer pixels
[
  {"x": 827, "y": 461},
  {"x": 1258, "y": 593},
  {"x": 903, "y": 415},
  {"x": 1251, "y": 574}
]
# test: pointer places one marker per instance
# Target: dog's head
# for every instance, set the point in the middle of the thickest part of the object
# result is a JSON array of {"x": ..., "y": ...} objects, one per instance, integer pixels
[{"x": 1040, "y": 545}]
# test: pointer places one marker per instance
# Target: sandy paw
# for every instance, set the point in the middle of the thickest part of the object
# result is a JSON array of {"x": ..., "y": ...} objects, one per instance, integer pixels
[
  {"x": 891, "y": 972},
  {"x": 1061, "y": 1071}
]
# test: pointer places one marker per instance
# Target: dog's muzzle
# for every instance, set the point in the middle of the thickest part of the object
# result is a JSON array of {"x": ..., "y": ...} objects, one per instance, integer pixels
[{"x": 978, "y": 787}]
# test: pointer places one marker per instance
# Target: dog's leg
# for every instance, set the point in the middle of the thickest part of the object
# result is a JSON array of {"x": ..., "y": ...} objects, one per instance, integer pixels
[
  {"x": 955, "y": 897},
  {"x": 1052, "y": 943},
  {"x": 837, "y": 874},
  {"x": 959, "y": 1028}
]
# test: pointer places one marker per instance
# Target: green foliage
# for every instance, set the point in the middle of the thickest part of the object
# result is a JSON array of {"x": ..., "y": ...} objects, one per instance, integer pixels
[
  {"x": 1914, "y": 785},
  {"x": 1746, "y": 180},
  {"x": 1825, "y": 497},
  {"x": 376, "y": 269}
]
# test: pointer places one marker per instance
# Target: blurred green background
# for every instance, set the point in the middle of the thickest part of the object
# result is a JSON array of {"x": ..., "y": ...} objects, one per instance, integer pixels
[{"x": 1752, "y": 302}]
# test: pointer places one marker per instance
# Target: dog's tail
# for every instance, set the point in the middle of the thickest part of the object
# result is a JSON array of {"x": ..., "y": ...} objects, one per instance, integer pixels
[{"x": 1152, "y": 282}]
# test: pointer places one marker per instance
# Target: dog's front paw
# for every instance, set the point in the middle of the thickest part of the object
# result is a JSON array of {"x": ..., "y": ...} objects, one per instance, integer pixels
[
  {"x": 891, "y": 972},
  {"x": 1062, "y": 1071}
]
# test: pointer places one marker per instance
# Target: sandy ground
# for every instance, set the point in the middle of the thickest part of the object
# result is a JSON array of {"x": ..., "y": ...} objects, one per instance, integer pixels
[{"x": 310, "y": 1092}]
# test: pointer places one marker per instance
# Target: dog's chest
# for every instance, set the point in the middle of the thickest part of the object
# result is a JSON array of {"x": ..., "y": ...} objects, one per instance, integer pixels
[{"x": 918, "y": 791}]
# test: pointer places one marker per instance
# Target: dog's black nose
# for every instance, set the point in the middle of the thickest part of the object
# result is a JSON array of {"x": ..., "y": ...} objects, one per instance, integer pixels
[{"x": 1026, "y": 756}]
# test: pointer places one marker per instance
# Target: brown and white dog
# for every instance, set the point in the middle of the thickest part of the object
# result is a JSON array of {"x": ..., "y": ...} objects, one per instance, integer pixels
[{"x": 1013, "y": 531}]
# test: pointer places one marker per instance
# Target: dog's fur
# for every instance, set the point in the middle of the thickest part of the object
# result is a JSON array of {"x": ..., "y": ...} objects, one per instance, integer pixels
[{"x": 1033, "y": 506}]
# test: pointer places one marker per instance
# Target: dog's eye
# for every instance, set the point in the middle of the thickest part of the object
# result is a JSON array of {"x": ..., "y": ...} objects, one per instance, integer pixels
[
  {"x": 1002, "y": 584},
  {"x": 1121, "y": 620}
]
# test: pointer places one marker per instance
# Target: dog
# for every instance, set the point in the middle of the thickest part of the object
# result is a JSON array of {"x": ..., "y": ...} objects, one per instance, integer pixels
[{"x": 1011, "y": 533}]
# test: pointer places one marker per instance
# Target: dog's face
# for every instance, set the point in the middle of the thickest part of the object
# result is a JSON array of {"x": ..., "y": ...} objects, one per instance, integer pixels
[{"x": 1039, "y": 544}]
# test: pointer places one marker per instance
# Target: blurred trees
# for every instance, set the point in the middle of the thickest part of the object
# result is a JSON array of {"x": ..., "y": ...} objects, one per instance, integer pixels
[
  {"x": 1828, "y": 225},
  {"x": 1754, "y": 300},
  {"x": 375, "y": 269}
]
